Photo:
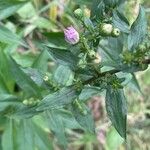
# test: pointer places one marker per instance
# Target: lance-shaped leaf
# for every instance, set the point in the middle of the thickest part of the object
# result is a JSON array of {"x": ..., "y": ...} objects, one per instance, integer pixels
[
  {"x": 97, "y": 11},
  {"x": 68, "y": 119},
  {"x": 40, "y": 62},
  {"x": 7, "y": 97},
  {"x": 63, "y": 75},
  {"x": 3, "y": 86},
  {"x": 24, "y": 81},
  {"x": 21, "y": 111},
  {"x": 56, "y": 125},
  {"x": 63, "y": 57},
  {"x": 88, "y": 92},
  {"x": 134, "y": 84},
  {"x": 24, "y": 134},
  {"x": 12, "y": 106},
  {"x": 6, "y": 101},
  {"x": 18, "y": 136},
  {"x": 138, "y": 30},
  {"x": 56, "y": 40},
  {"x": 6, "y": 36},
  {"x": 117, "y": 109},
  {"x": 42, "y": 138},
  {"x": 120, "y": 21},
  {"x": 5, "y": 77},
  {"x": 9, "y": 7},
  {"x": 58, "y": 99},
  {"x": 84, "y": 117}
]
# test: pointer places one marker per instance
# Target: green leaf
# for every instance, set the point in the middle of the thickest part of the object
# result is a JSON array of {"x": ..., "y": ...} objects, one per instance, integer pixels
[
  {"x": 6, "y": 36},
  {"x": 18, "y": 136},
  {"x": 56, "y": 126},
  {"x": 88, "y": 23},
  {"x": 21, "y": 111},
  {"x": 6, "y": 79},
  {"x": 85, "y": 2},
  {"x": 131, "y": 69},
  {"x": 117, "y": 109},
  {"x": 35, "y": 75},
  {"x": 68, "y": 119},
  {"x": 42, "y": 139},
  {"x": 88, "y": 92},
  {"x": 28, "y": 11},
  {"x": 133, "y": 84},
  {"x": 44, "y": 23},
  {"x": 110, "y": 51},
  {"x": 138, "y": 30},
  {"x": 63, "y": 57},
  {"x": 84, "y": 118},
  {"x": 11, "y": 106},
  {"x": 120, "y": 21},
  {"x": 40, "y": 62},
  {"x": 97, "y": 11},
  {"x": 113, "y": 3},
  {"x": 24, "y": 134},
  {"x": 7, "y": 101},
  {"x": 56, "y": 40},
  {"x": 126, "y": 76},
  {"x": 24, "y": 81},
  {"x": 3, "y": 86},
  {"x": 25, "y": 59},
  {"x": 7, "y": 97},
  {"x": 116, "y": 45},
  {"x": 64, "y": 75},
  {"x": 58, "y": 99},
  {"x": 9, "y": 7}
]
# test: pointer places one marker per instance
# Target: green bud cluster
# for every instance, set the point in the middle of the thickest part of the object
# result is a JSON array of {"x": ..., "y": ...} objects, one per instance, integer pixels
[
  {"x": 31, "y": 102},
  {"x": 127, "y": 57},
  {"x": 78, "y": 84},
  {"x": 50, "y": 82},
  {"x": 135, "y": 57},
  {"x": 114, "y": 81},
  {"x": 55, "y": 86}
]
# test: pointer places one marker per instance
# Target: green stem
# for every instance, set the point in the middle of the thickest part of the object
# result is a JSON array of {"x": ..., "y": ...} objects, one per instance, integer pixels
[
  {"x": 146, "y": 61},
  {"x": 85, "y": 44}
]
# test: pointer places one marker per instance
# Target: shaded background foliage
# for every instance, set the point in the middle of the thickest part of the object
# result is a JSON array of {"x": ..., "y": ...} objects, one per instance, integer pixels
[{"x": 36, "y": 21}]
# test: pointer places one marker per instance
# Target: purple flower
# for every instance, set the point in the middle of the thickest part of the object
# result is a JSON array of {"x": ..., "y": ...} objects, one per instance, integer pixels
[{"x": 71, "y": 35}]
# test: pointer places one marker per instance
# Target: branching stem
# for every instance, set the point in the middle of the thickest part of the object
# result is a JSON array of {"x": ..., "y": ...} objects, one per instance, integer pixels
[{"x": 146, "y": 61}]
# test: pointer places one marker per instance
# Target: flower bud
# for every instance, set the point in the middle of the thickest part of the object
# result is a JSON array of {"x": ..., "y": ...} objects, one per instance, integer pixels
[
  {"x": 46, "y": 78},
  {"x": 92, "y": 54},
  {"x": 78, "y": 13},
  {"x": 106, "y": 29},
  {"x": 71, "y": 35},
  {"x": 97, "y": 60},
  {"x": 87, "y": 12},
  {"x": 25, "y": 102},
  {"x": 115, "y": 32}
]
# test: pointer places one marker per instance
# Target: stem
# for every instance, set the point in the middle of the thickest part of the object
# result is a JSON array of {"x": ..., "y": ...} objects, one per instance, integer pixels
[
  {"x": 146, "y": 61},
  {"x": 85, "y": 44}
]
